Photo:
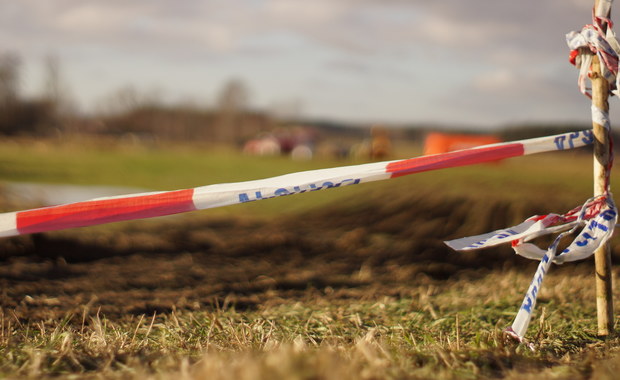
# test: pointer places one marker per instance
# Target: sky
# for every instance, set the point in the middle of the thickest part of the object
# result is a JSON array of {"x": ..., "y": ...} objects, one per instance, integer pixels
[{"x": 476, "y": 63}]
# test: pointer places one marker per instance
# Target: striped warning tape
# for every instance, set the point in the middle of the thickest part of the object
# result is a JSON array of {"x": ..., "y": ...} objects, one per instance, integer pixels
[
  {"x": 147, "y": 205},
  {"x": 595, "y": 221}
]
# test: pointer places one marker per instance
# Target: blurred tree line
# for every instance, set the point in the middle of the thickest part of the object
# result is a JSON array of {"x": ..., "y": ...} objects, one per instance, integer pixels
[
  {"x": 126, "y": 112},
  {"x": 141, "y": 115},
  {"x": 20, "y": 116}
]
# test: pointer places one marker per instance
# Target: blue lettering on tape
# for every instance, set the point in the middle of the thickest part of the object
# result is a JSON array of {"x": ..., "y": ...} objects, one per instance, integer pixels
[
  {"x": 571, "y": 137},
  {"x": 477, "y": 244},
  {"x": 527, "y": 304},
  {"x": 559, "y": 142},
  {"x": 586, "y": 237},
  {"x": 534, "y": 291},
  {"x": 608, "y": 214},
  {"x": 594, "y": 224},
  {"x": 507, "y": 233},
  {"x": 281, "y": 192},
  {"x": 588, "y": 137},
  {"x": 245, "y": 197},
  {"x": 504, "y": 234}
]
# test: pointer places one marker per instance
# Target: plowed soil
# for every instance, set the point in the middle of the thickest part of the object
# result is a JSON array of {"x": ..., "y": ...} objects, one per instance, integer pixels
[{"x": 204, "y": 262}]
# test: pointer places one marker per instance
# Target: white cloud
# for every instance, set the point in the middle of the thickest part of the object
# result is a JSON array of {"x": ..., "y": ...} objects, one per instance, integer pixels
[
  {"x": 367, "y": 25},
  {"x": 497, "y": 81},
  {"x": 517, "y": 44},
  {"x": 307, "y": 12},
  {"x": 92, "y": 18}
]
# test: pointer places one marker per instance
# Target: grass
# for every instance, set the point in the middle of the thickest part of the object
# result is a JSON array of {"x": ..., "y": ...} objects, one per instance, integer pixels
[
  {"x": 442, "y": 329},
  {"x": 156, "y": 168},
  {"x": 566, "y": 174},
  {"x": 447, "y": 330}
]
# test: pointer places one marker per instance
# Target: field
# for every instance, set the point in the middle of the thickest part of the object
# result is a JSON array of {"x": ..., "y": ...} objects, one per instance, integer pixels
[{"x": 343, "y": 284}]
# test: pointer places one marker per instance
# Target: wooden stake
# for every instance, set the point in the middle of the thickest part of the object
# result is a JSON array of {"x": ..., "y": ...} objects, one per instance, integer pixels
[{"x": 602, "y": 256}]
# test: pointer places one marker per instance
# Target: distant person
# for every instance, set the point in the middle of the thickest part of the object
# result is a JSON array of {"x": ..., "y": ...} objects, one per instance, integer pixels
[{"x": 380, "y": 145}]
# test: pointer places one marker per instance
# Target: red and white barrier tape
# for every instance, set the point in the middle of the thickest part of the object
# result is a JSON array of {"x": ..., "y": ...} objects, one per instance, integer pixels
[
  {"x": 597, "y": 219},
  {"x": 596, "y": 38},
  {"x": 598, "y": 216},
  {"x": 147, "y": 205}
]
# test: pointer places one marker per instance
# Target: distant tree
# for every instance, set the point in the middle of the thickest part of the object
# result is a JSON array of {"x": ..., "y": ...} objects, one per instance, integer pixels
[
  {"x": 9, "y": 77},
  {"x": 56, "y": 94},
  {"x": 234, "y": 96},
  {"x": 9, "y": 91},
  {"x": 232, "y": 103},
  {"x": 287, "y": 110},
  {"x": 128, "y": 98},
  {"x": 53, "y": 91},
  {"x": 120, "y": 101}
]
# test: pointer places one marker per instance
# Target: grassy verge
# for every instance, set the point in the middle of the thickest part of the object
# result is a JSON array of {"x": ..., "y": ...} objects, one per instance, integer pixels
[
  {"x": 450, "y": 328},
  {"x": 567, "y": 174},
  {"x": 445, "y": 330}
]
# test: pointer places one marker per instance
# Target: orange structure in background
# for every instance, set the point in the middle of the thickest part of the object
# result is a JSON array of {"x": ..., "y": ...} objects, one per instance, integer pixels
[{"x": 447, "y": 142}]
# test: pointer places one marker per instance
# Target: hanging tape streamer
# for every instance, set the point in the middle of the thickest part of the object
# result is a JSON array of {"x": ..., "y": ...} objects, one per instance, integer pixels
[
  {"x": 594, "y": 234},
  {"x": 596, "y": 38},
  {"x": 597, "y": 219},
  {"x": 598, "y": 216},
  {"x": 147, "y": 205}
]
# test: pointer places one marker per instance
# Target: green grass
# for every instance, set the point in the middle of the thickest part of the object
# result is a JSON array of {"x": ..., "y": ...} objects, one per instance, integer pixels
[
  {"x": 153, "y": 168},
  {"x": 567, "y": 175},
  {"x": 442, "y": 329},
  {"x": 448, "y": 330},
  {"x": 178, "y": 167}
]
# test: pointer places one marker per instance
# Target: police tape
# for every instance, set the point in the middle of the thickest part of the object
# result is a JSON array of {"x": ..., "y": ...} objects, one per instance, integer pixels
[
  {"x": 596, "y": 38},
  {"x": 153, "y": 204},
  {"x": 598, "y": 216},
  {"x": 597, "y": 219}
]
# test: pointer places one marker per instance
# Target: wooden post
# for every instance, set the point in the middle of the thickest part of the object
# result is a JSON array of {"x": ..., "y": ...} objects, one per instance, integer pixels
[{"x": 602, "y": 256}]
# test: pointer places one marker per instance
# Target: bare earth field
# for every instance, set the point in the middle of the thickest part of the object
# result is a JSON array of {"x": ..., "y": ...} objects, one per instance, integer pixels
[
  {"x": 352, "y": 283},
  {"x": 372, "y": 286},
  {"x": 373, "y": 251}
]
